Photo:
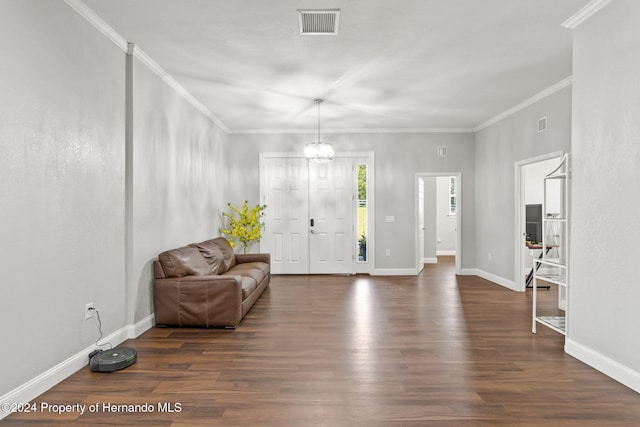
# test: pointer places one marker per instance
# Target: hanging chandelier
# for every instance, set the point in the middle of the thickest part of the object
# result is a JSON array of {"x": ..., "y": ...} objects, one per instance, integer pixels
[{"x": 318, "y": 151}]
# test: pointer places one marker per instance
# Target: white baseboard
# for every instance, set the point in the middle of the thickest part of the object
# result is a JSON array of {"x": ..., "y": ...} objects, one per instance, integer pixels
[
  {"x": 509, "y": 284},
  {"x": 604, "y": 364},
  {"x": 43, "y": 382},
  {"x": 395, "y": 272},
  {"x": 141, "y": 327},
  {"x": 445, "y": 253},
  {"x": 429, "y": 260}
]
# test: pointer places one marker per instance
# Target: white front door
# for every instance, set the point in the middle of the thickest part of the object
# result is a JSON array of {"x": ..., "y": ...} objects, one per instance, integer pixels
[
  {"x": 331, "y": 212},
  {"x": 286, "y": 231},
  {"x": 297, "y": 192}
]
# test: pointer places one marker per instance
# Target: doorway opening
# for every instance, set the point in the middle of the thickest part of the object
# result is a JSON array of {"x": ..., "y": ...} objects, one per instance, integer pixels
[
  {"x": 438, "y": 217},
  {"x": 529, "y": 198}
]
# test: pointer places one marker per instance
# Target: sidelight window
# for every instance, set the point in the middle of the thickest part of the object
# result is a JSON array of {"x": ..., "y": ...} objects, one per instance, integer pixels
[{"x": 362, "y": 213}]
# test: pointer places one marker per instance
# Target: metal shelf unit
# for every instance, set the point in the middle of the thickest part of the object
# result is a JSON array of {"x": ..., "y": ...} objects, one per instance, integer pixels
[{"x": 553, "y": 266}]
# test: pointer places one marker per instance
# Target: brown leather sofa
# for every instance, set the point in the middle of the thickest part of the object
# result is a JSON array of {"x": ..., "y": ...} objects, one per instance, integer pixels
[{"x": 206, "y": 284}]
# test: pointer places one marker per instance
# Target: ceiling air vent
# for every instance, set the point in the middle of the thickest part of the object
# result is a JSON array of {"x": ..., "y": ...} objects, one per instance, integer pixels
[{"x": 319, "y": 22}]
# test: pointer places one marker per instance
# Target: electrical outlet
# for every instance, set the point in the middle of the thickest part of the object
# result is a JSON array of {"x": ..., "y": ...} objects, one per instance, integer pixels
[
  {"x": 388, "y": 252},
  {"x": 489, "y": 256},
  {"x": 88, "y": 313}
]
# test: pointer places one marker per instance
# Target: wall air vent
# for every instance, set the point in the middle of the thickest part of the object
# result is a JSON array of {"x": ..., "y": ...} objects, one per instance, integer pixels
[
  {"x": 319, "y": 22},
  {"x": 542, "y": 124},
  {"x": 442, "y": 151}
]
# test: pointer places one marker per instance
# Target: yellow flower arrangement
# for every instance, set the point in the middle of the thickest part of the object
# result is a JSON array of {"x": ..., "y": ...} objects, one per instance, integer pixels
[{"x": 246, "y": 228}]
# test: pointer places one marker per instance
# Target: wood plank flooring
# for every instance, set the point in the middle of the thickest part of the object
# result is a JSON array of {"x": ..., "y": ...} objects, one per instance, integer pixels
[{"x": 432, "y": 350}]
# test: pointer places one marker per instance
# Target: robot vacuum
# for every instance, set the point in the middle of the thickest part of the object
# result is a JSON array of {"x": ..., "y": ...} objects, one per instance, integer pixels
[{"x": 113, "y": 359}]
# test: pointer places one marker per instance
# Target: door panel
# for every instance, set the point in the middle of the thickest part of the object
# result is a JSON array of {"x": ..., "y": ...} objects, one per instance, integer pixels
[
  {"x": 286, "y": 233},
  {"x": 331, "y": 197}
]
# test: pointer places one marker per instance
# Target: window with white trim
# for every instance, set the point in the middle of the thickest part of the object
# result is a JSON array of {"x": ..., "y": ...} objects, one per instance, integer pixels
[{"x": 452, "y": 196}]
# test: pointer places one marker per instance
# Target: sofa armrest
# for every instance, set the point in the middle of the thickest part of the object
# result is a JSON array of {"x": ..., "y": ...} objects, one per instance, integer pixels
[
  {"x": 198, "y": 300},
  {"x": 242, "y": 258}
]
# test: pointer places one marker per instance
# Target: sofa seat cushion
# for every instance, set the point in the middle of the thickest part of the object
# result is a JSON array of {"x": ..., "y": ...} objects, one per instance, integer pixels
[
  {"x": 256, "y": 270},
  {"x": 186, "y": 261},
  {"x": 262, "y": 266}
]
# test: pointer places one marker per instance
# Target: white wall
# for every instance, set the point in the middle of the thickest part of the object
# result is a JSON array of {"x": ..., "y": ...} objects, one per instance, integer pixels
[
  {"x": 178, "y": 172},
  {"x": 62, "y": 173},
  {"x": 498, "y": 147},
  {"x": 398, "y": 157},
  {"x": 446, "y": 224},
  {"x": 604, "y": 293}
]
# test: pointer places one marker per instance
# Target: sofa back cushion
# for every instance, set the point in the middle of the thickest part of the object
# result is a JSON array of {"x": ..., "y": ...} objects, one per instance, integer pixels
[
  {"x": 158, "y": 271},
  {"x": 186, "y": 261},
  {"x": 212, "y": 255},
  {"x": 228, "y": 255}
]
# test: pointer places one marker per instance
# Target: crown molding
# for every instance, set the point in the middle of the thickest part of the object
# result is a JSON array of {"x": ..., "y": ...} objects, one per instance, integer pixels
[
  {"x": 132, "y": 49},
  {"x": 84, "y": 11},
  {"x": 349, "y": 130},
  {"x": 88, "y": 14},
  {"x": 156, "y": 68},
  {"x": 527, "y": 102},
  {"x": 585, "y": 13}
]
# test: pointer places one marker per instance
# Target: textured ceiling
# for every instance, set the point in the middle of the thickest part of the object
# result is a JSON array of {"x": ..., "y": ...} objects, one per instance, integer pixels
[{"x": 402, "y": 64}]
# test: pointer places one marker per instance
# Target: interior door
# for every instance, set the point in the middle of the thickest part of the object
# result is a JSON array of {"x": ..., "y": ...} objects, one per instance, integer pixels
[
  {"x": 286, "y": 232},
  {"x": 331, "y": 217}
]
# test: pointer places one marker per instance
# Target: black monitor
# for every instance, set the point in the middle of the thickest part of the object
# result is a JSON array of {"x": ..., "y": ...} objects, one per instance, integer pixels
[{"x": 534, "y": 223}]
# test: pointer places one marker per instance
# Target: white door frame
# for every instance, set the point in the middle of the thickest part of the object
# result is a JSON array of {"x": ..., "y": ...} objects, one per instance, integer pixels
[
  {"x": 367, "y": 158},
  {"x": 519, "y": 212},
  {"x": 421, "y": 224},
  {"x": 459, "y": 209}
]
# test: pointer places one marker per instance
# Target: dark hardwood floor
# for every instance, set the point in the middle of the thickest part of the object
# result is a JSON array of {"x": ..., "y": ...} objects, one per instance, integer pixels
[{"x": 432, "y": 350}]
